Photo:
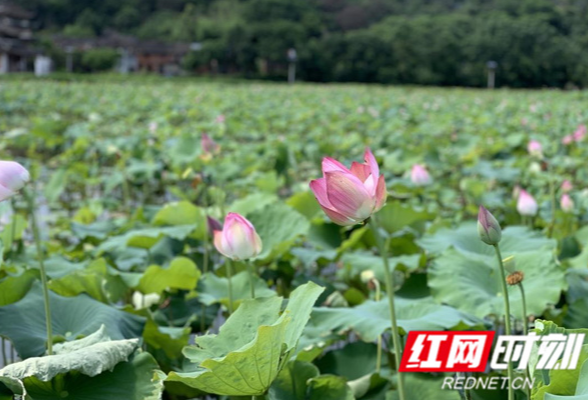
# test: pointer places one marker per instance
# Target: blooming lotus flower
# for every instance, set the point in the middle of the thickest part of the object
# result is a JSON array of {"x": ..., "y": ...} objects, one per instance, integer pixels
[
  {"x": 420, "y": 176},
  {"x": 350, "y": 196},
  {"x": 566, "y": 186},
  {"x": 238, "y": 239},
  {"x": 208, "y": 145},
  {"x": 526, "y": 204},
  {"x": 566, "y": 203},
  {"x": 568, "y": 139},
  {"x": 535, "y": 149},
  {"x": 13, "y": 177},
  {"x": 580, "y": 133}
]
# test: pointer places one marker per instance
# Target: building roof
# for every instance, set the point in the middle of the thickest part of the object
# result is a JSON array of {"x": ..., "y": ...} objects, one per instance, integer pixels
[{"x": 12, "y": 10}]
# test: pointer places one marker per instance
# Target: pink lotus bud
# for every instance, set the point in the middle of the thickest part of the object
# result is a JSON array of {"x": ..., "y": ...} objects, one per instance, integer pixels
[
  {"x": 208, "y": 145},
  {"x": 238, "y": 239},
  {"x": 220, "y": 119},
  {"x": 535, "y": 149},
  {"x": 213, "y": 225},
  {"x": 566, "y": 203},
  {"x": 13, "y": 177},
  {"x": 526, "y": 205},
  {"x": 350, "y": 196},
  {"x": 580, "y": 133},
  {"x": 566, "y": 186},
  {"x": 420, "y": 176},
  {"x": 568, "y": 139},
  {"x": 488, "y": 227}
]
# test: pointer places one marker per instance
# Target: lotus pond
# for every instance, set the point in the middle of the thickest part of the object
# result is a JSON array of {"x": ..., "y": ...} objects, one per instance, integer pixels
[{"x": 125, "y": 192}]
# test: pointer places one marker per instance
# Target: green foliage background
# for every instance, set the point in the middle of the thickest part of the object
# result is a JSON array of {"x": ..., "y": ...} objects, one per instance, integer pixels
[{"x": 447, "y": 42}]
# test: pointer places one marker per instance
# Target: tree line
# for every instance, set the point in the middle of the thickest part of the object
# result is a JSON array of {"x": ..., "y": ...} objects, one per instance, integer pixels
[{"x": 536, "y": 43}]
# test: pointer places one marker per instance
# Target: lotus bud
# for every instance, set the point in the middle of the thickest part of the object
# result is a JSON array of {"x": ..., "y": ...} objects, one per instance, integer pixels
[
  {"x": 580, "y": 133},
  {"x": 488, "y": 227},
  {"x": 367, "y": 275},
  {"x": 208, "y": 145},
  {"x": 13, "y": 177},
  {"x": 568, "y": 139},
  {"x": 238, "y": 239},
  {"x": 526, "y": 204},
  {"x": 420, "y": 176},
  {"x": 213, "y": 225},
  {"x": 350, "y": 195},
  {"x": 566, "y": 203},
  {"x": 566, "y": 186},
  {"x": 535, "y": 149}
]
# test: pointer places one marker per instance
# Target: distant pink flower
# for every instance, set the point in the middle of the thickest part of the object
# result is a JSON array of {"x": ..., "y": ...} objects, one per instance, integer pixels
[
  {"x": 568, "y": 139},
  {"x": 13, "y": 177},
  {"x": 526, "y": 204},
  {"x": 220, "y": 119},
  {"x": 566, "y": 186},
  {"x": 566, "y": 203},
  {"x": 420, "y": 176},
  {"x": 535, "y": 149},
  {"x": 580, "y": 133},
  {"x": 208, "y": 145},
  {"x": 350, "y": 196},
  {"x": 238, "y": 239}
]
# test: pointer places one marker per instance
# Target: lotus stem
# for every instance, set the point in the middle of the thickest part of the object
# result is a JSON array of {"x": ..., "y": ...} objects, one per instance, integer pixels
[
  {"x": 379, "y": 351},
  {"x": 250, "y": 272},
  {"x": 44, "y": 284},
  {"x": 525, "y": 331},
  {"x": 229, "y": 278},
  {"x": 4, "y": 359},
  {"x": 508, "y": 330},
  {"x": 389, "y": 277}
]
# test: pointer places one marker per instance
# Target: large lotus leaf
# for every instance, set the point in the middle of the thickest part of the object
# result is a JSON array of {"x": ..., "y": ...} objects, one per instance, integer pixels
[
  {"x": 167, "y": 338},
  {"x": 183, "y": 213},
  {"x": 215, "y": 289},
  {"x": 553, "y": 383},
  {"x": 11, "y": 386},
  {"x": 131, "y": 380},
  {"x": 95, "y": 280},
  {"x": 395, "y": 216},
  {"x": 14, "y": 288},
  {"x": 472, "y": 285},
  {"x": 145, "y": 238},
  {"x": 360, "y": 261},
  {"x": 252, "y": 202},
  {"x": 370, "y": 319},
  {"x": 329, "y": 387},
  {"x": 24, "y": 321},
  {"x": 423, "y": 386},
  {"x": 228, "y": 365},
  {"x": 465, "y": 239},
  {"x": 91, "y": 357},
  {"x": 278, "y": 226},
  {"x": 291, "y": 382},
  {"x": 182, "y": 273}
]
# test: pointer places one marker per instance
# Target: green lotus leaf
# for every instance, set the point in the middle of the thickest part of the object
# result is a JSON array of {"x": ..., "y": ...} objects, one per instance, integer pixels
[
  {"x": 215, "y": 289},
  {"x": 424, "y": 386},
  {"x": 182, "y": 273},
  {"x": 89, "y": 356},
  {"x": 370, "y": 319},
  {"x": 246, "y": 356},
  {"x": 72, "y": 317}
]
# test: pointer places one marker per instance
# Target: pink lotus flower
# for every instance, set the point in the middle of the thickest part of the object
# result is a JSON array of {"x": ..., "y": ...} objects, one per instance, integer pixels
[
  {"x": 526, "y": 204},
  {"x": 568, "y": 139},
  {"x": 420, "y": 176},
  {"x": 238, "y": 239},
  {"x": 208, "y": 145},
  {"x": 535, "y": 149},
  {"x": 220, "y": 119},
  {"x": 13, "y": 177},
  {"x": 566, "y": 203},
  {"x": 566, "y": 186},
  {"x": 350, "y": 196},
  {"x": 580, "y": 133}
]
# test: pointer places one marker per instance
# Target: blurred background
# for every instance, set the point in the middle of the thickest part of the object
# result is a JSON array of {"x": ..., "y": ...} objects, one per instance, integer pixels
[{"x": 513, "y": 43}]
